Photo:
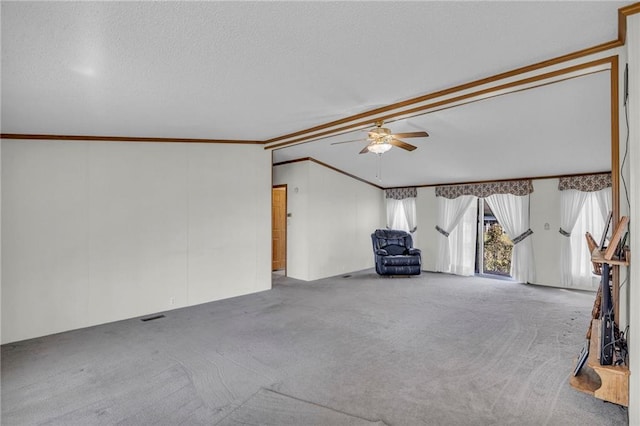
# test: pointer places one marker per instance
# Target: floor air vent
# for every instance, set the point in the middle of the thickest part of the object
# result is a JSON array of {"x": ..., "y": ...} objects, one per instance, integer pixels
[{"x": 155, "y": 317}]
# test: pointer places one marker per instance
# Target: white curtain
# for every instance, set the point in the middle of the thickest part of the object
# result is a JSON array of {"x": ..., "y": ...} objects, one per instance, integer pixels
[
  {"x": 604, "y": 202},
  {"x": 396, "y": 218},
  {"x": 462, "y": 242},
  {"x": 512, "y": 213},
  {"x": 409, "y": 205},
  {"x": 571, "y": 205},
  {"x": 456, "y": 247},
  {"x": 591, "y": 218},
  {"x": 401, "y": 214}
]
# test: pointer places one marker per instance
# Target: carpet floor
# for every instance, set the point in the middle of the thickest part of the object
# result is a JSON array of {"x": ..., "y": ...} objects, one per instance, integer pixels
[{"x": 354, "y": 350}]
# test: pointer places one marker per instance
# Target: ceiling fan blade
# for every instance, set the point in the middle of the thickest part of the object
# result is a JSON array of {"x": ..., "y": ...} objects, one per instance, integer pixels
[
  {"x": 364, "y": 150},
  {"x": 354, "y": 140},
  {"x": 411, "y": 135},
  {"x": 401, "y": 144}
]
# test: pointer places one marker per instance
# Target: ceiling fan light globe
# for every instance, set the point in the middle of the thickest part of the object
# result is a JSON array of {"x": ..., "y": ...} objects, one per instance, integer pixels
[{"x": 379, "y": 148}]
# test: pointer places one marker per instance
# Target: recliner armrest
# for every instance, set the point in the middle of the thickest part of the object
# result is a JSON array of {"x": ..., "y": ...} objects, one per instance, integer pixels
[
  {"x": 382, "y": 252},
  {"x": 414, "y": 251}
]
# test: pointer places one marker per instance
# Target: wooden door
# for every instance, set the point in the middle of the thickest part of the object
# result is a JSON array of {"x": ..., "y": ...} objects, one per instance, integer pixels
[{"x": 279, "y": 227}]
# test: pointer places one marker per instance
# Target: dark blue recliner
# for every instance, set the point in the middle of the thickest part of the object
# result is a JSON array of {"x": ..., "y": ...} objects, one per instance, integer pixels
[{"x": 394, "y": 253}]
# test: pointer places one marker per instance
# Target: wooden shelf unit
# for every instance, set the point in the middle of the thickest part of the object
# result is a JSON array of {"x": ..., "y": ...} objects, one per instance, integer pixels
[
  {"x": 597, "y": 256},
  {"x": 606, "y": 382}
]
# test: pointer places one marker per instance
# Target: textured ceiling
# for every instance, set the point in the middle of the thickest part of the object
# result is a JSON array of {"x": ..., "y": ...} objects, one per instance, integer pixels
[{"x": 257, "y": 70}]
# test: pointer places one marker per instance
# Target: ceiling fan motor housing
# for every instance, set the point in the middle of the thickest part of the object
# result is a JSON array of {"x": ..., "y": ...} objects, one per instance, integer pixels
[{"x": 380, "y": 135}]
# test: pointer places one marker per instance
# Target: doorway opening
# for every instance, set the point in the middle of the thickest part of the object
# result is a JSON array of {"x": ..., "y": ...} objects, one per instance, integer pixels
[
  {"x": 279, "y": 229},
  {"x": 494, "y": 247}
]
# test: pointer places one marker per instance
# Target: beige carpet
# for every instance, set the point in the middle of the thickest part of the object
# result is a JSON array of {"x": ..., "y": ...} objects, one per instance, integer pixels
[
  {"x": 269, "y": 408},
  {"x": 427, "y": 350}
]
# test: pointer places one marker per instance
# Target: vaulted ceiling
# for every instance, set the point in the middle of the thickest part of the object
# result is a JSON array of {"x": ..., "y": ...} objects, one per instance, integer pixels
[{"x": 257, "y": 70}]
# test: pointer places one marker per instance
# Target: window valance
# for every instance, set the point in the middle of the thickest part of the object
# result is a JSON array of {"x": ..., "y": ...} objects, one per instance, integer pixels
[
  {"x": 482, "y": 190},
  {"x": 401, "y": 193},
  {"x": 585, "y": 183}
]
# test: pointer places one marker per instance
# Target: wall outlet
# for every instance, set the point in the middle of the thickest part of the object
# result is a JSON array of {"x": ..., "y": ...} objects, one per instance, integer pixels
[{"x": 172, "y": 301}]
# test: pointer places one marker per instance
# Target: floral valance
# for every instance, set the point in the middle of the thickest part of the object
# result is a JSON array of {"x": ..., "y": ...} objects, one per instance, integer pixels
[
  {"x": 401, "y": 193},
  {"x": 515, "y": 187},
  {"x": 585, "y": 183}
]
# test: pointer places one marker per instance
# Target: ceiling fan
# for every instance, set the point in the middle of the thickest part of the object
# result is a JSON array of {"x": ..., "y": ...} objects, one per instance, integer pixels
[{"x": 381, "y": 140}]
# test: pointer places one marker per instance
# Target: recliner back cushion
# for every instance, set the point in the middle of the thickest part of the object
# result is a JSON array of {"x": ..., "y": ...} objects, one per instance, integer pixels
[
  {"x": 390, "y": 234},
  {"x": 394, "y": 249},
  {"x": 387, "y": 237}
]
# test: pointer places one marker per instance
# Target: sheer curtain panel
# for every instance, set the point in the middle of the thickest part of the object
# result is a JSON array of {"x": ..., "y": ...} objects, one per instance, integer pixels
[
  {"x": 409, "y": 206},
  {"x": 593, "y": 214},
  {"x": 396, "y": 218},
  {"x": 401, "y": 210},
  {"x": 571, "y": 204},
  {"x": 585, "y": 202},
  {"x": 604, "y": 202},
  {"x": 512, "y": 212},
  {"x": 451, "y": 213},
  {"x": 401, "y": 215}
]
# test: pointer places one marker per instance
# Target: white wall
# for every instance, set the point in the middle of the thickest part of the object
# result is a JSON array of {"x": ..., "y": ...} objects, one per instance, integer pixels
[
  {"x": 96, "y": 232},
  {"x": 544, "y": 205},
  {"x": 343, "y": 213},
  {"x": 332, "y": 218},
  {"x": 1, "y": 250},
  {"x": 427, "y": 218}
]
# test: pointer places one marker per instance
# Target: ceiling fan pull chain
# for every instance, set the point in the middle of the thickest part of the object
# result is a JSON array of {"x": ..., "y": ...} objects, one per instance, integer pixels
[{"x": 379, "y": 174}]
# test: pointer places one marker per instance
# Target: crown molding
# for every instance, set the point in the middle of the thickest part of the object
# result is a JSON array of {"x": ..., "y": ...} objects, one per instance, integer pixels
[
  {"x": 313, "y": 160},
  {"x": 120, "y": 139},
  {"x": 623, "y": 13}
]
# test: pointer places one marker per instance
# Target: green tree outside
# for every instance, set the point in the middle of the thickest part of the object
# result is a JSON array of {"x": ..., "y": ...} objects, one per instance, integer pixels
[{"x": 497, "y": 251}]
